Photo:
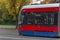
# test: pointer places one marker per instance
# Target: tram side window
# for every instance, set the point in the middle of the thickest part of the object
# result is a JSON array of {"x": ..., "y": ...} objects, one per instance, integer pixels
[
  {"x": 44, "y": 18},
  {"x": 28, "y": 18},
  {"x": 56, "y": 18},
  {"x": 41, "y": 18}
]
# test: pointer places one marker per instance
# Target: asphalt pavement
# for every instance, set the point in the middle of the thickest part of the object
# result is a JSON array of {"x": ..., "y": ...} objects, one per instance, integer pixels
[
  {"x": 8, "y": 32},
  {"x": 12, "y": 34},
  {"x": 26, "y": 38}
]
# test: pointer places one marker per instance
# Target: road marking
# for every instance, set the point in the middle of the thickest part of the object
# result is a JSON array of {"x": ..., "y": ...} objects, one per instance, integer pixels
[
  {"x": 4, "y": 37},
  {"x": 12, "y": 37},
  {"x": 23, "y": 38}
]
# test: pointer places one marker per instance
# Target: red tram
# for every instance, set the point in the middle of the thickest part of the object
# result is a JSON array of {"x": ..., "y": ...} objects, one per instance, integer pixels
[{"x": 40, "y": 20}]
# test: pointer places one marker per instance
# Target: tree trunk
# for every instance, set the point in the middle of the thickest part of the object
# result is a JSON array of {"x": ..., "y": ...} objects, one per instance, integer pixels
[{"x": 16, "y": 21}]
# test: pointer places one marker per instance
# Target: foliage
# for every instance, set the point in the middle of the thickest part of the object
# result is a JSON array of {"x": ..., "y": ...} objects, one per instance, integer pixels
[
  {"x": 47, "y": 1},
  {"x": 9, "y": 10}
]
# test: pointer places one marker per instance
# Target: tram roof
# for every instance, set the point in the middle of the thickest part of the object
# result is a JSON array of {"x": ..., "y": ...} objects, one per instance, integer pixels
[{"x": 41, "y": 6}]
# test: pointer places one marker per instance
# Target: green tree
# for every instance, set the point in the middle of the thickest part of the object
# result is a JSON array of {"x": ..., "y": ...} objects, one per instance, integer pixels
[
  {"x": 9, "y": 9},
  {"x": 15, "y": 6}
]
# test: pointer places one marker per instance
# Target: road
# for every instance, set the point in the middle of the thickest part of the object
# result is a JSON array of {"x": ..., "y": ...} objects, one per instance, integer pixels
[
  {"x": 26, "y": 38},
  {"x": 8, "y": 34}
]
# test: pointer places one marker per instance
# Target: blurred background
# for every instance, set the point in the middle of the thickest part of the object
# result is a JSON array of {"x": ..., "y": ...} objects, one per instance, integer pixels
[{"x": 10, "y": 9}]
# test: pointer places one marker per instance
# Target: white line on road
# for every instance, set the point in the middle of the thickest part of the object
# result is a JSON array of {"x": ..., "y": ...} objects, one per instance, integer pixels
[
  {"x": 12, "y": 37},
  {"x": 23, "y": 38},
  {"x": 3, "y": 37}
]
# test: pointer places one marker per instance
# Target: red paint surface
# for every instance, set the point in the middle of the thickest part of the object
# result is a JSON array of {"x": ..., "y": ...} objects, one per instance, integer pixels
[
  {"x": 38, "y": 27},
  {"x": 40, "y": 9}
]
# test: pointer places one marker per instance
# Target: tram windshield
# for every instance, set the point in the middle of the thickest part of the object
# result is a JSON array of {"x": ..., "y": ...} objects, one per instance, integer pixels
[{"x": 41, "y": 18}]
